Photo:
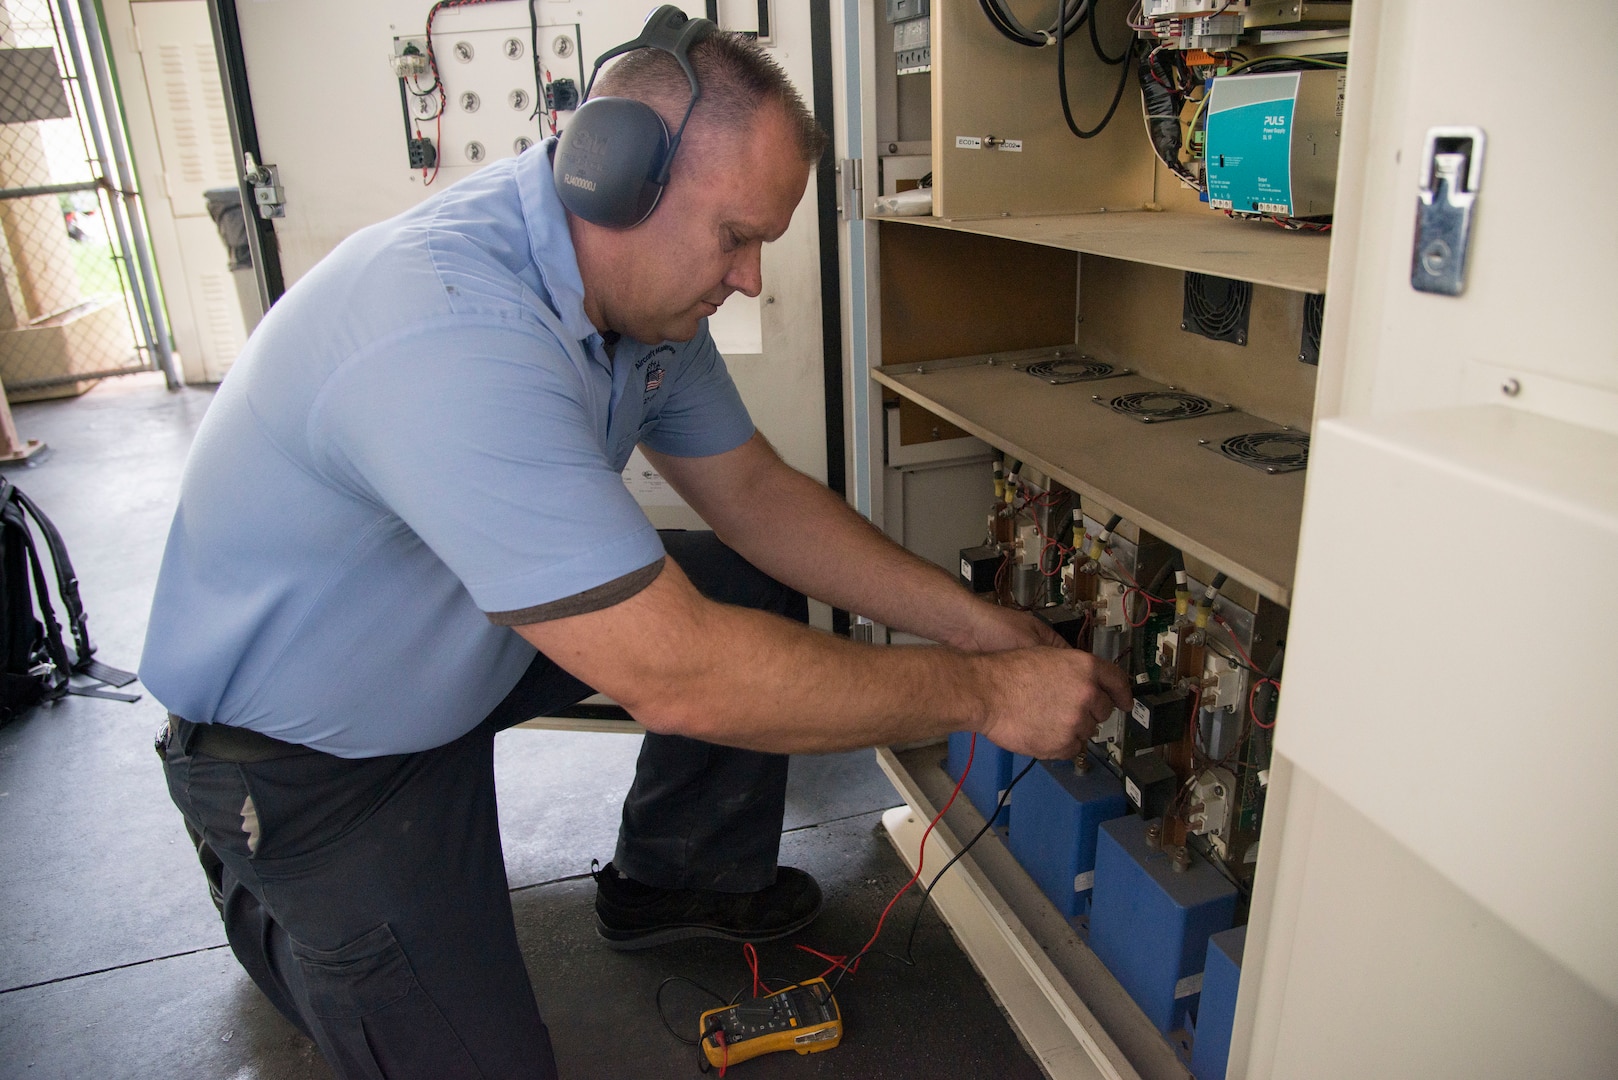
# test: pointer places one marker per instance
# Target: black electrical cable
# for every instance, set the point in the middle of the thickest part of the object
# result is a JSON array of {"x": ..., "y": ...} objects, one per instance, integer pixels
[
  {"x": 1117, "y": 95},
  {"x": 661, "y": 1015},
  {"x": 1163, "y": 77},
  {"x": 926, "y": 894},
  {"x": 908, "y": 959},
  {"x": 1071, "y": 15},
  {"x": 533, "y": 54}
]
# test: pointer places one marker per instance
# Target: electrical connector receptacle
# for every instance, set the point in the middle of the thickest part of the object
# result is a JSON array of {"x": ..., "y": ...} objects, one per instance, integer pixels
[{"x": 423, "y": 154}]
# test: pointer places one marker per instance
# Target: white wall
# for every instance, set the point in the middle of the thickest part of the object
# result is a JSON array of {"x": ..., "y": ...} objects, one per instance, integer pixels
[{"x": 328, "y": 114}]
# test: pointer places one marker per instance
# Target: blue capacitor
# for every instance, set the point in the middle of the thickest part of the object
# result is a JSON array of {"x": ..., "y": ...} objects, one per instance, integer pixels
[
  {"x": 1150, "y": 923},
  {"x": 1053, "y": 834}
]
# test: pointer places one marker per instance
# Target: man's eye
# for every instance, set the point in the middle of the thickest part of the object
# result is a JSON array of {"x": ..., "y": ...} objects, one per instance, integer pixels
[{"x": 732, "y": 241}]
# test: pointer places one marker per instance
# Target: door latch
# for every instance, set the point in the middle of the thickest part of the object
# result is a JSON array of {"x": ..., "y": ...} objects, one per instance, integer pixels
[
  {"x": 265, "y": 180},
  {"x": 1451, "y": 169}
]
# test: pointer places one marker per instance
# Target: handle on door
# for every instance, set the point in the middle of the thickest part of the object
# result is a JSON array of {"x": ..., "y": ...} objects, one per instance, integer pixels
[{"x": 1451, "y": 172}]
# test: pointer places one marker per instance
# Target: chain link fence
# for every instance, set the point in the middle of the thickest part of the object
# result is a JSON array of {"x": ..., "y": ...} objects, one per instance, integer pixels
[{"x": 72, "y": 309}]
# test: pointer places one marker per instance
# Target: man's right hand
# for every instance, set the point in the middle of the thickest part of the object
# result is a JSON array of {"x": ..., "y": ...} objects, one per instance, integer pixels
[{"x": 1047, "y": 702}]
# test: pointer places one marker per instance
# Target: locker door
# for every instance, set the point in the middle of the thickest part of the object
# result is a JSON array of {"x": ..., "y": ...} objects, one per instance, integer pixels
[{"x": 1430, "y": 902}]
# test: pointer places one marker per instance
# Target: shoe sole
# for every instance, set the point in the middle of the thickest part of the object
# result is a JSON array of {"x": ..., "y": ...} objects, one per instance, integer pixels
[{"x": 630, "y": 941}]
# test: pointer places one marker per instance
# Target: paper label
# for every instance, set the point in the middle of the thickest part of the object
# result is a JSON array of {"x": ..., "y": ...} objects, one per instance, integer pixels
[
  {"x": 968, "y": 142},
  {"x": 966, "y": 571},
  {"x": 1085, "y": 881},
  {"x": 1141, "y": 714},
  {"x": 1013, "y": 145},
  {"x": 1134, "y": 792},
  {"x": 1191, "y": 984}
]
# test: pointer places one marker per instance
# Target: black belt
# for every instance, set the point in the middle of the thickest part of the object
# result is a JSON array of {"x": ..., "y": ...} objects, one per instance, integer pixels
[{"x": 228, "y": 743}]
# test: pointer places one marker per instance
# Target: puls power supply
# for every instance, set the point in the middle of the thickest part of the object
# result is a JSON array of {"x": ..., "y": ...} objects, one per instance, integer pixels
[{"x": 1272, "y": 139}]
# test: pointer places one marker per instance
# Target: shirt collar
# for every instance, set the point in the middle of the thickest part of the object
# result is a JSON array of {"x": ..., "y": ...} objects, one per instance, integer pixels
[{"x": 549, "y": 242}]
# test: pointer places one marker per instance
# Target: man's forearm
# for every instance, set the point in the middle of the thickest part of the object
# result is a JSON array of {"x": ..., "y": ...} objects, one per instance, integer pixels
[
  {"x": 802, "y": 534},
  {"x": 682, "y": 664}
]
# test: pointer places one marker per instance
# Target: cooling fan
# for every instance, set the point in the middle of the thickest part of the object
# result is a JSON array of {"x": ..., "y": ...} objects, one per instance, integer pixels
[
  {"x": 1216, "y": 307},
  {"x": 1160, "y": 406},
  {"x": 1267, "y": 451},
  {"x": 1314, "y": 314},
  {"x": 1075, "y": 370}
]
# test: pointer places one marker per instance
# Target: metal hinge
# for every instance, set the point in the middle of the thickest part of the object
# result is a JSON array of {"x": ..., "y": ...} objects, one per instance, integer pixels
[
  {"x": 850, "y": 189},
  {"x": 265, "y": 180}
]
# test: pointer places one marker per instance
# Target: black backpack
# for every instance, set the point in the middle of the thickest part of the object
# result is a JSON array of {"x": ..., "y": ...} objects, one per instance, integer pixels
[{"x": 36, "y": 664}]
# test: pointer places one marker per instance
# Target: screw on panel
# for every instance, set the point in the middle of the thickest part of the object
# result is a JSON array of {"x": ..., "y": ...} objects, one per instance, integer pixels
[
  {"x": 562, "y": 46},
  {"x": 1182, "y": 859},
  {"x": 1154, "y": 835},
  {"x": 1511, "y": 388},
  {"x": 463, "y": 51},
  {"x": 514, "y": 48}
]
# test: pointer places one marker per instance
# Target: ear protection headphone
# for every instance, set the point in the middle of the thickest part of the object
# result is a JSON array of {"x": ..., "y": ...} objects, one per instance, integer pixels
[{"x": 612, "y": 161}]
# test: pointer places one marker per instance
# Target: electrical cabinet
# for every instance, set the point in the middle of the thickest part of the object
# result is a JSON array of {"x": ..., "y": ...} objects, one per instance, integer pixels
[{"x": 1079, "y": 307}]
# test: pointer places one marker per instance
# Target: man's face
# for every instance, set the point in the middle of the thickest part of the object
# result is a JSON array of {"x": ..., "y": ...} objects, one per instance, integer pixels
[{"x": 729, "y": 194}]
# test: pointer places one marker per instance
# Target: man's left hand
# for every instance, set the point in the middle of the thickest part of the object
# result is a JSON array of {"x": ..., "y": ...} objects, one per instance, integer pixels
[{"x": 995, "y": 629}]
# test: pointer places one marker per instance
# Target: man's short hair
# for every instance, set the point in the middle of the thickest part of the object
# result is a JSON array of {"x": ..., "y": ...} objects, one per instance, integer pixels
[{"x": 736, "y": 78}]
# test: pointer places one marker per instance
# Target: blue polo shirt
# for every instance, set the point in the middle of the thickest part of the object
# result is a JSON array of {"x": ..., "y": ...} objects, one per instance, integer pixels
[{"x": 420, "y": 446}]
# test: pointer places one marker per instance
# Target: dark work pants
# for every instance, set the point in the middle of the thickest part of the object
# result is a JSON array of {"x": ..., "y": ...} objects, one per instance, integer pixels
[{"x": 368, "y": 898}]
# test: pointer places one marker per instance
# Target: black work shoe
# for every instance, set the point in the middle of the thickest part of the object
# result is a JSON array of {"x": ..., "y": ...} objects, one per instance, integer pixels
[{"x": 630, "y": 915}]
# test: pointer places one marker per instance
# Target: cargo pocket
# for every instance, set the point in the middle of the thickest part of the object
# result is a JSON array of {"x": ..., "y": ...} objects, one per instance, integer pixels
[{"x": 372, "y": 1016}]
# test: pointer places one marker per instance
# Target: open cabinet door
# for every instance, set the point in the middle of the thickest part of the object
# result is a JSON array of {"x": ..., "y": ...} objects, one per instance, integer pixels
[
  {"x": 1436, "y": 886},
  {"x": 318, "y": 102}
]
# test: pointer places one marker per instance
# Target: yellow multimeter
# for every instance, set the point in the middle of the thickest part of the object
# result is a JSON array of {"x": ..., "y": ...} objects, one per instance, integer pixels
[{"x": 803, "y": 1017}]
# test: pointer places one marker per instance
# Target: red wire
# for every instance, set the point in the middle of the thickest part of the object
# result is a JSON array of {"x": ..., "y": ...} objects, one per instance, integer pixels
[
  {"x": 438, "y": 141},
  {"x": 751, "y": 956},
  {"x": 725, "y": 1050},
  {"x": 1119, "y": 566},
  {"x": 1220, "y": 619},
  {"x": 1253, "y": 693},
  {"x": 921, "y": 854},
  {"x": 836, "y": 962},
  {"x": 1144, "y": 618}
]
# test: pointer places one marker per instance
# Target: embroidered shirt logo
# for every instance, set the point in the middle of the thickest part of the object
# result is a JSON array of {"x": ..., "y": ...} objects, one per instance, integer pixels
[{"x": 654, "y": 377}]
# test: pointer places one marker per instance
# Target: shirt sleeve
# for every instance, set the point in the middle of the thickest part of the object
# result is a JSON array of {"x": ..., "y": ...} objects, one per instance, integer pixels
[
  {"x": 703, "y": 412},
  {"x": 487, "y": 442}
]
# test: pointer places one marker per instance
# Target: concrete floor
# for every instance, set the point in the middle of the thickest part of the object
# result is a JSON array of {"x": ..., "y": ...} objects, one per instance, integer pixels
[{"x": 113, "y": 962}]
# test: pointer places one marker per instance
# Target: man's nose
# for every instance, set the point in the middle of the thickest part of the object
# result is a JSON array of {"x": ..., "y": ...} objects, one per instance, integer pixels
[{"x": 746, "y": 274}]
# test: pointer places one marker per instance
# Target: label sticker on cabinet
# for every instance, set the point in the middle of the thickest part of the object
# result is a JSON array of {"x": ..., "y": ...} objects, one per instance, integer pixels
[
  {"x": 966, "y": 571},
  {"x": 1191, "y": 984},
  {"x": 1141, "y": 714},
  {"x": 968, "y": 142},
  {"x": 1084, "y": 882},
  {"x": 1134, "y": 792},
  {"x": 1013, "y": 145}
]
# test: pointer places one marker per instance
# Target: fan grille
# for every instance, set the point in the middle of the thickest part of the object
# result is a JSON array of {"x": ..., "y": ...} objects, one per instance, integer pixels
[
  {"x": 1269, "y": 451},
  {"x": 1314, "y": 314},
  {"x": 1081, "y": 369},
  {"x": 1156, "y": 406}
]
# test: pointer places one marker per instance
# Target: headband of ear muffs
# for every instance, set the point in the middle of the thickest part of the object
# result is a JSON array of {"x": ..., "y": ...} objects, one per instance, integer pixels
[{"x": 612, "y": 161}]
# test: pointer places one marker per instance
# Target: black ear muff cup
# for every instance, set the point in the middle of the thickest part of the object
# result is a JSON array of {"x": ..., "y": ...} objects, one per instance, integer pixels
[{"x": 608, "y": 160}]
